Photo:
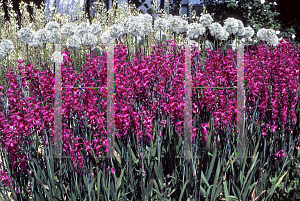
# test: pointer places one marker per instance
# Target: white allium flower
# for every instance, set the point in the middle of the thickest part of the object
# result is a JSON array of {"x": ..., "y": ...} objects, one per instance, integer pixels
[
  {"x": 266, "y": 34},
  {"x": 215, "y": 29},
  {"x": 249, "y": 32},
  {"x": 2, "y": 52},
  {"x": 175, "y": 24},
  {"x": 89, "y": 40},
  {"x": 274, "y": 41},
  {"x": 106, "y": 38},
  {"x": 83, "y": 29},
  {"x": 7, "y": 46},
  {"x": 140, "y": 40},
  {"x": 241, "y": 29},
  {"x": 126, "y": 22},
  {"x": 97, "y": 51},
  {"x": 205, "y": 20},
  {"x": 147, "y": 18},
  {"x": 51, "y": 26},
  {"x": 195, "y": 30},
  {"x": 223, "y": 35},
  {"x": 35, "y": 42},
  {"x": 135, "y": 27},
  {"x": 116, "y": 31},
  {"x": 185, "y": 26},
  {"x": 160, "y": 24},
  {"x": 69, "y": 29},
  {"x": 96, "y": 29},
  {"x": 55, "y": 36},
  {"x": 231, "y": 25},
  {"x": 163, "y": 36},
  {"x": 57, "y": 57},
  {"x": 25, "y": 35},
  {"x": 208, "y": 44},
  {"x": 147, "y": 23},
  {"x": 73, "y": 42},
  {"x": 43, "y": 35}
]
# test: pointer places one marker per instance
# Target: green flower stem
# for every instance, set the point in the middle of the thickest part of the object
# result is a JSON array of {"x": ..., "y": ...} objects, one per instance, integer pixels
[
  {"x": 27, "y": 53},
  {"x": 45, "y": 52},
  {"x": 74, "y": 57},
  {"x": 35, "y": 57}
]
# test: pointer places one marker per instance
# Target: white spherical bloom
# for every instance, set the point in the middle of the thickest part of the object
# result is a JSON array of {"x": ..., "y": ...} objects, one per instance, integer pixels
[
  {"x": 185, "y": 26},
  {"x": 73, "y": 42},
  {"x": 89, "y": 40},
  {"x": 83, "y": 29},
  {"x": 249, "y": 32},
  {"x": 140, "y": 40},
  {"x": 262, "y": 34},
  {"x": 2, "y": 52},
  {"x": 231, "y": 25},
  {"x": 223, "y": 35},
  {"x": 97, "y": 51},
  {"x": 160, "y": 24},
  {"x": 96, "y": 29},
  {"x": 215, "y": 29},
  {"x": 51, "y": 26},
  {"x": 135, "y": 27},
  {"x": 163, "y": 36},
  {"x": 35, "y": 42},
  {"x": 274, "y": 42},
  {"x": 147, "y": 23},
  {"x": 271, "y": 34},
  {"x": 43, "y": 35},
  {"x": 55, "y": 36},
  {"x": 116, "y": 31},
  {"x": 241, "y": 29},
  {"x": 175, "y": 24},
  {"x": 25, "y": 35},
  {"x": 195, "y": 30},
  {"x": 7, "y": 46},
  {"x": 69, "y": 29},
  {"x": 146, "y": 17},
  {"x": 106, "y": 38},
  {"x": 126, "y": 22},
  {"x": 208, "y": 44},
  {"x": 206, "y": 20}
]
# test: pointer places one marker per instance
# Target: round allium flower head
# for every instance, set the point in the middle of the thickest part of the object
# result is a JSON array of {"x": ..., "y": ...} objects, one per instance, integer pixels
[
  {"x": 223, "y": 35},
  {"x": 215, "y": 29},
  {"x": 2, "y": 52},
  {"x": 97, "y": 51},
  {"x": 185, "y": 26},
  {"x": 274, "y": 41},
  {"x": 57, "y": 57},
  {"x": 262, "y": 34},
  {"x": 270, "y": 35},
  {"x": 146, "y": 18},
  {"x": 25, "y": 35},
  {"x": 7, "y": 45},
  {"x": 96, "y": 29},
  {"x": 69, "y": 29},
  {"x": 139, "y": 40},
  {"x": 160, "y": 24},
  {"x": 175, "y": 24},
  {"x": 241, "y": 29},
  {"x": 126, "y": 23},
  {"x": 35, "y": 42},
  {"x": 249, "y": 32},
  {"x": 163, "y": 36},
  {"x": 116, "y": 31},
  {"x": 135, "y": 27},
  {"x": 106, "y": 38},
  {"x": 195, "y": 30},
  {"x": 231, "y": 25},
  {"x": 73, "y": 42},
  {"x": 89, "y": 40},
  {"x": 147, "y": 23},
  {"x": 43, "y": 35},
  {"x": 51, "y": 26},
  {"x": 83, "y": 29},
  {"x": 205, "y": 20},
  {"x": 55, "y": 36}
]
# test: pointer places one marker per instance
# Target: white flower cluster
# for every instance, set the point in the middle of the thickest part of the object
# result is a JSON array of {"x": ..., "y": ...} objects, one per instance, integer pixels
[
  {"x": 54, "y": 29},
  {"x": 223, "y": 35},
  {"x": 195, "y": 30},
  {"x": 69, "y": 29},
  {"x": 96, "y": 29},
  {"x": 135, "y": 27},
  {"x": 5, "y": 47},
  {"x": 106, "y": 38},
  {"x": 73, "y": 42},
  {"x": 266, "y": 34},
  {"x": 147, "y": 23},
  {"x": 160, "y": 24},
  {"x": 43, "y": 35},
  {"x": 176, "y": 24},
  {"x": 25, "y": 35},
  {"x": 116, "y": 31},
  {"x": 57, "y": 57},
  {"x": 205, "y": 20},
  {"x": 249, "y": 32},
  {"x": 231, "y": 25},
  {"x": 241, "y": 29},
  {"x": 89, "y": 40},
  {"x": 35, "y": 42},
  {"x": 83, "y": 29},
  {"x": 215, "y": 29},
  {"x": 208, "y": 44}
]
